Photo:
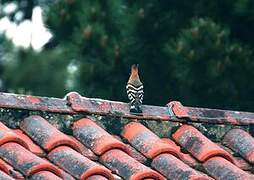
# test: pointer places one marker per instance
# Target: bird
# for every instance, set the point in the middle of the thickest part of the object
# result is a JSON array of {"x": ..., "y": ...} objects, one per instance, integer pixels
[{"x": 135, "y": 90}]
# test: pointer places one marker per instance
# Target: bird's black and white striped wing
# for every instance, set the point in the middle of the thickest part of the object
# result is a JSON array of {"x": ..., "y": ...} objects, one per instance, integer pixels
[{"x": 135, "y": 94}]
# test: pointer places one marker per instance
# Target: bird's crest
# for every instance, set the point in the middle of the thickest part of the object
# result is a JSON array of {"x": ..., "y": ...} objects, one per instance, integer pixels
[{"x": 134, "y": 71}]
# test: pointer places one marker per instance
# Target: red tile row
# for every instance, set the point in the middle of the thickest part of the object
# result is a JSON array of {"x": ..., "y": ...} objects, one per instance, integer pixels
[
  {"x": 67, "y": 157},
  {"x": 190, "y": 139},
  {"x": 164, "y": 154},
  {"x": 76, "y": 157},
  {"x": 114, "y": 153},
  {"x": 64, "y": 151}
]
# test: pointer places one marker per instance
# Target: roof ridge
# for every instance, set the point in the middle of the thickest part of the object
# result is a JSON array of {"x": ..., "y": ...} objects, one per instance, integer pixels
[{"x": 74, "y": 103}]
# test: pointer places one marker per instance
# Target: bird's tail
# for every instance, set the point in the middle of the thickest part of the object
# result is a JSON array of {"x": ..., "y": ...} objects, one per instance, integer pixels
[{"x": 136, "y": 108}]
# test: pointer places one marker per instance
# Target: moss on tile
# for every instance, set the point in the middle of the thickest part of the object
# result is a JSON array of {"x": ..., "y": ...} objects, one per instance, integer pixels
[{"x": 114, "y": 125}]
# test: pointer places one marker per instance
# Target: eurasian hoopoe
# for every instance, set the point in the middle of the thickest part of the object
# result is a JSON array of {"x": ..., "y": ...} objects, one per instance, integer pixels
[{"x": 135, "y": 91}]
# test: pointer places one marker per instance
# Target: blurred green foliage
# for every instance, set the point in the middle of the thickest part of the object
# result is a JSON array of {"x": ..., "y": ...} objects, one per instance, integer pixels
[
  {"x": 198, "y": 52},
  {"x": 215, "y": 70}
]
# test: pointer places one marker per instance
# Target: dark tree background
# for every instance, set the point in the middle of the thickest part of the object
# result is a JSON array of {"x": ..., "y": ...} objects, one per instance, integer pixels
[{"x": 199, "y": 52}]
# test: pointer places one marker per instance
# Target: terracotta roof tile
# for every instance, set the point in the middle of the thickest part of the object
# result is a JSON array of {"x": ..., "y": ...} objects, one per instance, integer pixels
[
  {"x": 95, "y": 137},
  {"x": 146, "y": 141},
  {"x": 243, "y": 164},
  {"x": 63, "y": 174},
  {"x": 186, "y": 158},
  {"x": 171, "y": 167},
  {"x": 37, "y": 149},
  {"x": 45, "y": 134},
  {"x": 198, "y": 145},
  {"x": 34, "y": 148},
  {"x": 239, "y": 160},
  {"x": 241, "y": 142},
  {"x": 220, "y": 168},
  {"x": 136, "y": 154},
  {"x": 77, "y": 165},
  {"x": 85, "y": 151},
  {"x": 127, "y": 167},
  {"x": 133, "y": 152},
  {"x": 7, "y": 135}
]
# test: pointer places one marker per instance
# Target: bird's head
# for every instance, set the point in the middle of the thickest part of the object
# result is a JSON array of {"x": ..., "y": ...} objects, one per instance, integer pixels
[{"x": 134, "y": 69}]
